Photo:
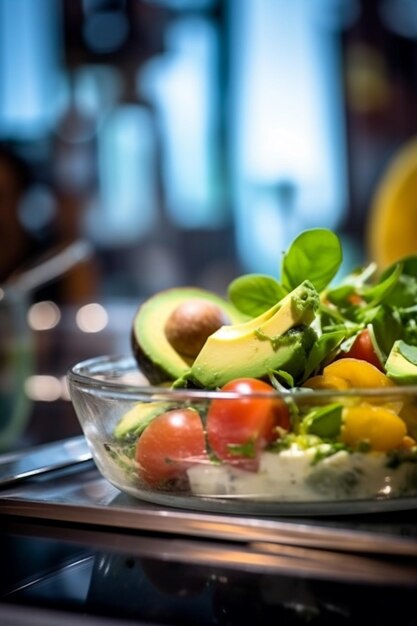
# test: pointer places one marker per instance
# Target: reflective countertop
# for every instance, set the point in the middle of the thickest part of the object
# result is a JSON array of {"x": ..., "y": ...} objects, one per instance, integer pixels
[{"x": 72, "y": 543}]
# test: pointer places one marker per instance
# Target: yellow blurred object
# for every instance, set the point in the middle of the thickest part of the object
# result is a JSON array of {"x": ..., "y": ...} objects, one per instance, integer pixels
[{"x": 392, "y": 222}]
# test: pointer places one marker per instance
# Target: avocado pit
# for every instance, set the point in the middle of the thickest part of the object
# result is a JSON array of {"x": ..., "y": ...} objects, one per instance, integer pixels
[{"x": 191, "y": 323}]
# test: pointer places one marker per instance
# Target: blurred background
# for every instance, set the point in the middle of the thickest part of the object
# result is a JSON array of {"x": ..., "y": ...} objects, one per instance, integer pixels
[{"x": 187, "y": 142}]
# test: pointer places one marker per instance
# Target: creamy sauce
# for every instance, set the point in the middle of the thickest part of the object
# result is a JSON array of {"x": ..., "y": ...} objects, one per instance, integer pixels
[{"x": 291, "y": 475}]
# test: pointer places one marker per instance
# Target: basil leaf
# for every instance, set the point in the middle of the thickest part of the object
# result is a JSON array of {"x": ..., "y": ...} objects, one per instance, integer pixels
[
  {"x": 315, "y": 254},
  {"x": 325, "y": 422},
  {"x": 255, "y": 293}
]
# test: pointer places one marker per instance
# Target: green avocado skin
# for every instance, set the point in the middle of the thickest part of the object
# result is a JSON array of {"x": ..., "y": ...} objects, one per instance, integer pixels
[
  {"x": 156, "y": 358},
  {"x": 401, "y": 365},
  {"x": 156, "y": 373}
]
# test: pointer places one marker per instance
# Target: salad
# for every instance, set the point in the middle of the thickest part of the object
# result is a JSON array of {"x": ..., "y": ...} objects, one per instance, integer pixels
[{"x": 300, "y": 387}]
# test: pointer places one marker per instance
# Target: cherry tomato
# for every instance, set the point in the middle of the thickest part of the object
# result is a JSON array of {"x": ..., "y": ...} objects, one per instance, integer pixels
[
  {"x": 166, "y": 447},
  {"x": 363, "y": 349},
  {"x": 239, "y": 429}
]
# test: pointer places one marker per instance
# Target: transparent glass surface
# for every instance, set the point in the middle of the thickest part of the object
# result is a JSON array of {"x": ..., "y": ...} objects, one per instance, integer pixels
[{"x": 116, "y": 406}]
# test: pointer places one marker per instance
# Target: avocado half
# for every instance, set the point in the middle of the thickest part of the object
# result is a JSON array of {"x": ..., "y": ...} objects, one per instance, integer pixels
[
  {"x": 278, "y": 339},
  {"x": 157, "y": 359}
]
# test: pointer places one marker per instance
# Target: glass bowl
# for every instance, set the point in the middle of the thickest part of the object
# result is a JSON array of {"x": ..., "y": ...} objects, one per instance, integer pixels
[
  {"x": 17, "y": 363},
  {"x": 318, "y": 469}
]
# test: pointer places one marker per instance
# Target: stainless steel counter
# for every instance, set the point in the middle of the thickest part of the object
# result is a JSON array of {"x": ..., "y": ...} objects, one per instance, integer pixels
[
  {"x": 70, "y": 540},
  {"x": 358, "y": 548}
]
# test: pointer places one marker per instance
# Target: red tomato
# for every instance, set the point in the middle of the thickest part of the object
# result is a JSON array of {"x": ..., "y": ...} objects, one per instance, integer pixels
[
  {"x": 165, "y": 448},
  {"x": 362, "y": 348},
  {"x": 239, "y": 429}
]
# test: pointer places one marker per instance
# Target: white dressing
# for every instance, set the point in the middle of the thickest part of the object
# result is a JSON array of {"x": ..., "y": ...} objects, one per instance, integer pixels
[{"x": 292, "y": 475}]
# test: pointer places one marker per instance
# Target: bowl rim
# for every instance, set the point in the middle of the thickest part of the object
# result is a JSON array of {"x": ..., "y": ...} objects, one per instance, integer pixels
[{"x": 88, "y": 375}]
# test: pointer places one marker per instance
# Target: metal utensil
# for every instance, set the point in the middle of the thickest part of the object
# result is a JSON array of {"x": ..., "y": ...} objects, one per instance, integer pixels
[
  {"x": 42, "y": 459},
  {"x": 17, "y": 358},
  {"x": 58, "y": 261}
]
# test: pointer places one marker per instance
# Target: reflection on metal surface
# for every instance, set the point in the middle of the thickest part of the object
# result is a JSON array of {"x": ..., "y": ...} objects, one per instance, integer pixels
[
  {"x": 164, "y": 580},
  {"x": 260, "y": 557},
  {"x": 87, "y": 498},
  {"x": 44, "y": 577},
  {"x": 43, "y": 459}
]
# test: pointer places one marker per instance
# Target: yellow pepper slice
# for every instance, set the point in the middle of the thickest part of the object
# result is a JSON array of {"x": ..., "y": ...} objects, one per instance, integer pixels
[
  {"x": 322, "y": 381},
  {"x": 381, "y": 428},
  {"x": 409, "y": 414},
  {"x": 357, "y": 373}
]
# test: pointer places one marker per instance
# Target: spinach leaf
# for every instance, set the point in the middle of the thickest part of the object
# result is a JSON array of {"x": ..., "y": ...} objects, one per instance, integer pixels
[
  {"x": 315, "y": 254},
  {"x": 277, "y": 376},
  {"x": 408, "y": 317},
  {"x": 255, "y": 293},
  {"x": 339, "y": 295},
  {"x": 405, "y": 292},
  {"x": 375, "y": 294},
  {"x": 372, "y": 297},
  {"x": 409, "y": 265},
  {"x": 330, "y": 316},
  {"x": 323, "y": 347},
  {"x": 387, "y": 327}
]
